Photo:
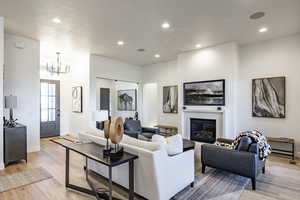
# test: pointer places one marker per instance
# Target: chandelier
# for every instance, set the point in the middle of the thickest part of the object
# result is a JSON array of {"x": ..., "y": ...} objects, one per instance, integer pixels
[{"x": 58, "y": 68}]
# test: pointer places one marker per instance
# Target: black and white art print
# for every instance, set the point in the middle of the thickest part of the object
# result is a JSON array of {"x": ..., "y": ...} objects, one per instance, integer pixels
[
  {"x": 204, "y": 93},
  {"x": 127, "y": 100},
  {"x": 77, "y": 99},
  {"x": 268, "y": 97},
  {"x": 170, "y": 99}
]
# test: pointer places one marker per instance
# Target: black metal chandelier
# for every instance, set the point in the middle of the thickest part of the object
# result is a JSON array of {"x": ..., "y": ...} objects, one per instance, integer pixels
[{"x": 58, "y": 68}]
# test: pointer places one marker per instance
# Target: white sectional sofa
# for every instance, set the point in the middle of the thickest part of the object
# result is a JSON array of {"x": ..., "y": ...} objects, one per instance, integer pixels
[{"x": 157, "y": 176}]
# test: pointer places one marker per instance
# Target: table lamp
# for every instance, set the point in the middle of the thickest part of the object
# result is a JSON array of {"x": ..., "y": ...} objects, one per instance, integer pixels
[{"x": 11, "y": 103}]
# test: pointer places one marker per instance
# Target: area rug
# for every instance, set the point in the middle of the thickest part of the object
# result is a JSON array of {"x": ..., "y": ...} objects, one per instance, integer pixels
[
  {"x": 215, "y": 185},
  {"x": 19, "y": 179}
]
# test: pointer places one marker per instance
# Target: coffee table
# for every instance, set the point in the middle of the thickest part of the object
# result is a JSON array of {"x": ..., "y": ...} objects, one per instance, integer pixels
[{"x": 94, "y": 152}]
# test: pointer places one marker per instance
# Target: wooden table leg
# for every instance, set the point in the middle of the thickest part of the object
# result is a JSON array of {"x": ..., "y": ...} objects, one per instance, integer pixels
[
  {"x": 131, "y": 179},
  {"x": 67, "y": 167},
  {"x": 110, "y": 182}
]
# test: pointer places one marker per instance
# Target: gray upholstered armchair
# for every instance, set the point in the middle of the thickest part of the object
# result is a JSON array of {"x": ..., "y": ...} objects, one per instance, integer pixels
[
  {"x": 243, "y": 161},
  {"x": 134, "y": 129}
]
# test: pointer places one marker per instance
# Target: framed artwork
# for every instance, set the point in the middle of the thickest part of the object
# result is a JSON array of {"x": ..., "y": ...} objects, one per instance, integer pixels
[
  {"x": 170, "y": 99},
  {"x": 127, "y": 100},
  {"x": 268, "y": 97},
  {"x": 204, "y": 93},
  {"x": 77, "y": 99}
]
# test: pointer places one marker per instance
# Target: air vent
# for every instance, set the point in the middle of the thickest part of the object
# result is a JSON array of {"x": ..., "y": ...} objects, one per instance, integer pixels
[{"x": 257, "y": 15}]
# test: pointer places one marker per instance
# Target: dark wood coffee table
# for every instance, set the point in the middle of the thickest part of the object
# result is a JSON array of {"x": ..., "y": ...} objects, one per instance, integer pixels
[{"x": 94, "y": 152}]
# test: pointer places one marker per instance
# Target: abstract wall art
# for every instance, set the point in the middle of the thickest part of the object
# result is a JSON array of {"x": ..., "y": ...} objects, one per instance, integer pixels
[
  {"x": 170, "y": 99},
  {"x": 127, "y": 100},
  {"x": 77, "y": 99},
  {"x": 268, "y": 97}
]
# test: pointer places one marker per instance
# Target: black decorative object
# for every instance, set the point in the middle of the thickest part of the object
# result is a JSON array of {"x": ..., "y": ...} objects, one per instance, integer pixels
[
  {"x": 204, "y": 93},
  {"x": 127, "y": 100},
  {"x": 11, "y": 103},
  {"x": 268, "y": 97}
]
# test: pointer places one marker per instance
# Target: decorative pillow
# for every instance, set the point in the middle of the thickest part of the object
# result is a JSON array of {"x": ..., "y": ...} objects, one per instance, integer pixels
[
  {"x": 244, "y": 144},
  {"x": 174, "y": 145}
]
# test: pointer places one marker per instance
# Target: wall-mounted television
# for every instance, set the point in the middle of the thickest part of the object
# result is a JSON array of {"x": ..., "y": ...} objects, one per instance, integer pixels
[{"x": 204, "y": 93}]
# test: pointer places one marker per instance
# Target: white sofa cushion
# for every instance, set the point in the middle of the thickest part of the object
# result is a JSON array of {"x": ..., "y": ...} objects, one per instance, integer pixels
[{"x": 173, "y": 144}]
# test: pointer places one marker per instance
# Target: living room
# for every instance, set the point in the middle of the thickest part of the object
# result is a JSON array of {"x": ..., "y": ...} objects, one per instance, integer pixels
[{"x": 227, "y": 67}]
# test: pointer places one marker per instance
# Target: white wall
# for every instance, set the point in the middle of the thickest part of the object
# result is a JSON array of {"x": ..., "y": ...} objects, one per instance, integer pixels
[
  {"x": 219, "y": 62},
  {"x": 150, "y": 105},
  {"x": 155, "y": 77},
  {"x": 103, "y": 67},
  {"x": 279, "y": 57},
  {"x": 22, "y": 79},
  {"x": 72, "y": 123},
  {"x": 1, "y": 88}
]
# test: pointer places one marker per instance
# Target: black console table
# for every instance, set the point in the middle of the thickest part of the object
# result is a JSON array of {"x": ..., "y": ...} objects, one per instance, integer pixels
[
  {"x": 15, "y": 143},
  {"x": 94, "y": 152}
]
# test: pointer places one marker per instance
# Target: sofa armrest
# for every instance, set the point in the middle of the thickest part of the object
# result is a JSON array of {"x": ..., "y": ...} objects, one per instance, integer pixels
[
  {"x": 150, "y": 130},
  {"x": 134, "y": 134},
  {"x": 224, "y": 140},
  {"x": 240, "y": 162}
]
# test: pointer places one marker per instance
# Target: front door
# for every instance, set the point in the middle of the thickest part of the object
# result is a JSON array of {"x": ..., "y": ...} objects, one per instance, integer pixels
[{"x": 50, "y": 108}]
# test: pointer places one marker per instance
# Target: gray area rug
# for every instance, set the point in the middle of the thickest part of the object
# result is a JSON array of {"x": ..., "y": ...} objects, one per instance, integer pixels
[
  {"x": 215, "y": 185},
  {"x": 19, "y": 179}
]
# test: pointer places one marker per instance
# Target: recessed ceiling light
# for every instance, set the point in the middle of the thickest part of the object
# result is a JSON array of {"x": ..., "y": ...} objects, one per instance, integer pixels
[
  {"x": 157, "y": 56},
  {"x": 263, "y": 30},
  {"x": 120, "y": 43},
  {"x": 257, "y": 15},
  {"x": 198, "y": 45},
  {"x": 165, "y": 25},
  {"x": 56, "y": 20}
]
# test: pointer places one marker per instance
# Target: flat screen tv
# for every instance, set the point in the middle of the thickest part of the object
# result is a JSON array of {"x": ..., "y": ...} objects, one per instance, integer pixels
[{"x": 204, "y": 93}]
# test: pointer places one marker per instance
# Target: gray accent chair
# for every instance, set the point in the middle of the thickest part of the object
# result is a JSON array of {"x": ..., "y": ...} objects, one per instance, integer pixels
[
  {"x": 134, "y": 129},
  {"x": 243, "y": 161}
]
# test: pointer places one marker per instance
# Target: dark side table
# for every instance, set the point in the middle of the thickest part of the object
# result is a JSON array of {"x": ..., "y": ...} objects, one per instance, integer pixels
[
  {"x": 94, "y": 152},
  {"x": 15, "y": 143}
]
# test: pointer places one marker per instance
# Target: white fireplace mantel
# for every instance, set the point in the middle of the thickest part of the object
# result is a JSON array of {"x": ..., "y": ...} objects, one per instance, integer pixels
[{"x": 203, "y": 113}]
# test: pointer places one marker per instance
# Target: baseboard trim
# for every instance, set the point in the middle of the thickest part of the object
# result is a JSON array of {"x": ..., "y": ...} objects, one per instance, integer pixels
[{"x": 2, "y": 166}]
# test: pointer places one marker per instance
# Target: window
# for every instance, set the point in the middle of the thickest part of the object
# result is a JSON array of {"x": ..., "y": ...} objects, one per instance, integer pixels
[{"x": 48, "y": 102}]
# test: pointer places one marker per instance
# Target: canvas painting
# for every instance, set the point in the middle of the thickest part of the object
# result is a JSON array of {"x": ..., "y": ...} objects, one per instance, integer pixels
[
  {"x": 268, "y": 97},
  {"x": 127, "y": 100},
  {"x": 205, "y": 93},
  {"x": 170, "y": 99},
  {"x": 77, "y": 99}
]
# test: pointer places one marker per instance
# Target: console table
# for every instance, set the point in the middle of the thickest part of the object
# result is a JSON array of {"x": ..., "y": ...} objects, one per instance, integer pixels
[
  {"x": 94, "y": 152},
  {"x": 288, "y": 152}
]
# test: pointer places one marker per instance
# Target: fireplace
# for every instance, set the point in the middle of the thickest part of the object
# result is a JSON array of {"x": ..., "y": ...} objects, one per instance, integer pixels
[{"x": 203, "y": 130}]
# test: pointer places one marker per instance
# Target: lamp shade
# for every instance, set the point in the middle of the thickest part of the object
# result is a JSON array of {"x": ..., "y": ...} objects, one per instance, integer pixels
[{"x": 11, "y": 101}]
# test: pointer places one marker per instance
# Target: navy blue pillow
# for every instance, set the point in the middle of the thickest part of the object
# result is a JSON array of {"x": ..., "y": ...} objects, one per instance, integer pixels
[{"x": 244, "y": 144}]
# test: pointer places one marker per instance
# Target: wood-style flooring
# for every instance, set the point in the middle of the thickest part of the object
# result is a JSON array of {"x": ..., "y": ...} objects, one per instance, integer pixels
[{"x": 281, "y": 181}]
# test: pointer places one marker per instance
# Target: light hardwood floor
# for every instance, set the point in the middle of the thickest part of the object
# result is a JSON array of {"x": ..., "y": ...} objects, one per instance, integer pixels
[{"x": 281, "y": 181}]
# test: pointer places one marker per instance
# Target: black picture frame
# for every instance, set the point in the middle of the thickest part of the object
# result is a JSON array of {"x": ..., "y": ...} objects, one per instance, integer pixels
[
  {"x": 135, "y": 100},
  {"x": 284, "y": 97},
  {"x": 186, "y": 103},
  {"x": 78, "y": 109}
]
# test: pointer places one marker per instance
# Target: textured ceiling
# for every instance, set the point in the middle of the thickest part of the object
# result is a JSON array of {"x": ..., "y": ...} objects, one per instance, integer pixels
[{"x": 95, "y": 26}]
